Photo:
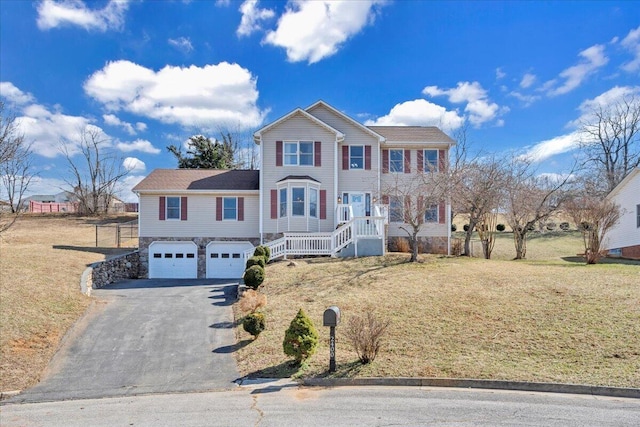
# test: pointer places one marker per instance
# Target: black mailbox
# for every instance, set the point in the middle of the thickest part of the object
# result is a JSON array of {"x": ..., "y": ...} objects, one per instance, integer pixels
[{"x": 331, "y": 316}]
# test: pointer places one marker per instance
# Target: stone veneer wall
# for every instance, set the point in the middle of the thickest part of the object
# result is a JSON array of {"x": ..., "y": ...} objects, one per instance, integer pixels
[
  {"x": 632, "y": 252},
  {"x": 102, "y": 273},
  {"x": 426, "y": 245},
  {"x": 201, "y": 242}
]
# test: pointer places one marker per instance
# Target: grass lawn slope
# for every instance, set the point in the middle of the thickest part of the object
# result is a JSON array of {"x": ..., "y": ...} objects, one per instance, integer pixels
[{"x": 549, "y": 318}]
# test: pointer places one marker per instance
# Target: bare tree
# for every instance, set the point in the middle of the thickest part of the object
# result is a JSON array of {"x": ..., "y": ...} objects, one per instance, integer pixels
[
  {"x": 529, "y": 199},
  {"x": 245, "y": 151},
  {"x": 10, "y": 137},
  {"x": 486, "y": 231},
  {"x": 611, "y": 143},
  {"x": 412, "y": 199},
  {"x": 477, "y": 189},
  {"x": 594, "y": 217},
  {"x": 95, "y": 176}
]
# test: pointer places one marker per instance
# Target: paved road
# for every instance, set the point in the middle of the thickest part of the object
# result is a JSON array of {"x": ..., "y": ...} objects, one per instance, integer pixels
[
  {"x": 146, "y": 336},
  {"x": 270, "y": 405}
]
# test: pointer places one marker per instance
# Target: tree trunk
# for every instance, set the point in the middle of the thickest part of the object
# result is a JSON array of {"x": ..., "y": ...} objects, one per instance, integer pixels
[
  {"x": 414, "y": 248},
  {"x": 520, "y": 239},
  {"x": 467, "y": 238}
]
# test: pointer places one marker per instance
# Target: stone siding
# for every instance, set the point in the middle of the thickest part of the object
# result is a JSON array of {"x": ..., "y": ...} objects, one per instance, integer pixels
[
  {"x": 426, "y": 245},
  {"x": 632, "y": 252},
  {"x": 201, "y": 242},
  {"x": 112, "y": 270}
]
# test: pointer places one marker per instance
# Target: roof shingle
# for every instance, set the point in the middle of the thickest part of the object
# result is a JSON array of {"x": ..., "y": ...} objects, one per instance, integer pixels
[
  {"x": 412, "y": 134},
  {"x": 199, "y": 179}
]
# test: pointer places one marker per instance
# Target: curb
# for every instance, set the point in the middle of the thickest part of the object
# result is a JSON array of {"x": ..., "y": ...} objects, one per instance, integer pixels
[
  {"x": 85, "y": 287},
  {"x": 7, "y": 394},
  {"x": 480, "y": 384}
]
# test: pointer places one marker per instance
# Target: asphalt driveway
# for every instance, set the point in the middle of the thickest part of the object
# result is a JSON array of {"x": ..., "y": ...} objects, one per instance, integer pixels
[{"x": 146, "y": 336}]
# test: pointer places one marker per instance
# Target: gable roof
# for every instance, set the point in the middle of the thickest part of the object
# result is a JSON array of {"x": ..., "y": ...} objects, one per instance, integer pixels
[
  {"x": 413, "y": 134},
  {"x": 624, "y": 182},
  {"x": 257, "y": 136},
  {"x": 370, "y": 131},
  {"x": 199, "y": 179}
]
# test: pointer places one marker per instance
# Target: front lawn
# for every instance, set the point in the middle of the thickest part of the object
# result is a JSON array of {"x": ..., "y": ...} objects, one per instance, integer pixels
[{"x": 549, "y": 318}]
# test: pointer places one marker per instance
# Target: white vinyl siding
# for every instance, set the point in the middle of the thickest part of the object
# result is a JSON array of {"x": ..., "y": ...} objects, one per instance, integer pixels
[
  {"x": 202, "y": 218},
  {"x": 627, "y": 231}
]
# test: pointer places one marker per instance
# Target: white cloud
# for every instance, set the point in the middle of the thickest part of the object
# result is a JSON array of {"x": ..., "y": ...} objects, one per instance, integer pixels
[
  {"x": 204, "y": 97},
  {"x": 554, "y": 146},
  {"x": 632, "y": 43},
  {"x": 52, "y": 14},
  {"x": 527, "y": 80},
  {"x": 124, "y": 186},
  {"x": 572, "y": 77},
  {"x": 14, "y": 95},
  {"x": 527, "y": 100},
  {"x": 223, "y": 3},
  {"x": 141, "y": 145},
  {"x": 500, "y": 74},
  {"x": 610, "y": 97},
  {"x": 479, "y": 108},
  {"x": 419, "y": 112},
  {"x": 46, "y": 185},
  {"x": 251, "y": 17},
  {"x": 112, "y": 120},
  {"x": 311, "y": 30},
  {"x": 183, "y": 44},
  {"x": 133, "y": 165},
  {"x": 141, "y": 127}
]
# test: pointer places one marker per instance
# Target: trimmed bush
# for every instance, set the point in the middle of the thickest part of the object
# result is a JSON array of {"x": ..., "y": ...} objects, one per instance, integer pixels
[
  {"x": 465, "y": 227},
  {"x": 301, "y": 339},
  {"x": 564, "y": 226},
  {"x": 500, "y": 227},
  {"x": 254, "y": 324},
  {"x": 264, "y": 252},
  {"x": 254, "y": 276},
  {"x": 551, "y": 226},
  {"x": 453, "y": 227},
  {"x": 256, "y": 260}
]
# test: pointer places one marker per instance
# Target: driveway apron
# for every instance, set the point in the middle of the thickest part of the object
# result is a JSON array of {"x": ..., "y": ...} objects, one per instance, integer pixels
[{"x": 146, "y": 336}]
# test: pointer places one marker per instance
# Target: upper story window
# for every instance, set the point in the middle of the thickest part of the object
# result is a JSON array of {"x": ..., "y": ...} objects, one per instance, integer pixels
[
  {"x": 430, "y": 161},
  {"x": 173, "y": 207},
  {"x": 230, "y": 208},
  {"x": 431, "y": 214},
  {"x": 299, "y": 153},
  {"x": 396, "y": 161},
  {"x": 356, "y": 157}
]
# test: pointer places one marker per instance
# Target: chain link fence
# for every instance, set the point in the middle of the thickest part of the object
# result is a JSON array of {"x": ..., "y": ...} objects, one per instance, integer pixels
[{"x": 118, "y": 235}]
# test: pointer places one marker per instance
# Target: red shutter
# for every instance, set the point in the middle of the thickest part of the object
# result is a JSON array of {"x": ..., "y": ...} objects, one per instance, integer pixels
[
  {"x": 420, "y": 208},
  {"x": 183, "y": 208},
  {"x": 317, "y": 160},
  {"x": 367, "y": 157},
  {"x": 240, "y": 208},
  {"x": 274, "y": 204},
  {"x": 441, "y": 214},
  {"x": 162, "y": 210},
  {"x": 407, "y": 209},
  {"x": 420, "y": 160},
  {"x": 385, "y": 200},
  {"x": 442, "y": 156},
  {"x": 278, "y": 153},
  {"x": 218, "y": 208},
  {"x": 345, "y": 157},
  {"x": 407, "y": 161},
  {"x": 385, "y": 161},
  {"x": 323, "y": 204}
]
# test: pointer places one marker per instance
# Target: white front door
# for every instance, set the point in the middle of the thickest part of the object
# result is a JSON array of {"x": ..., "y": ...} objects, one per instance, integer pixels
[{"x": 357, "y": 201}]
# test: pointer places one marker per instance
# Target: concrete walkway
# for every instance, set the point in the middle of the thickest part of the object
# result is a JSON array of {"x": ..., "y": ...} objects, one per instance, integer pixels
[{"x": 146, "y": 336}]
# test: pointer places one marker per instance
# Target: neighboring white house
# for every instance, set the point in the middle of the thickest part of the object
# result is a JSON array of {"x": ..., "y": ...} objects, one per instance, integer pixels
[
  {"x": 319, "y": 192},
  {"x": 624, "y": 239}
]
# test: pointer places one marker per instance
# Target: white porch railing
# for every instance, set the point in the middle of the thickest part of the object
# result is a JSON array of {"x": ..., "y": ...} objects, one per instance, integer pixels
[
  {"x": 344, "y": 214},
  {"x": 383, "y": 211}
]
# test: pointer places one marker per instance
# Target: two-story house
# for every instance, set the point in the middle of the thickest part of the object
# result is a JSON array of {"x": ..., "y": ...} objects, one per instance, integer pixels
[{"x": 320, "y": 191}]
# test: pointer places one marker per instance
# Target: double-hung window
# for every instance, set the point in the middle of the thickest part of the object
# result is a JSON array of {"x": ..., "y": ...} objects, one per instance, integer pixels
[
  {"x": 396, "y": 161},
  {"x": 356, "y": 157},
  {"x": 396, "y": 209},
  {"x": 313, "y": 203},
  {"x": 297, "y": 201},
  {"x": 430, "y": 160},
  {"x": 299, "y": 153},
  {"x": 283, "y": 202},
  {"x": 431, "y": 214},
  {"x": 230, "y": 208},
  {"x": 173, "y": 207}
]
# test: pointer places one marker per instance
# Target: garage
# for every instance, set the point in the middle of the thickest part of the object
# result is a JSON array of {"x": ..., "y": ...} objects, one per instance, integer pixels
[
  {"x": 173, "y": 260},
  {"x": 225, "y": 260}
]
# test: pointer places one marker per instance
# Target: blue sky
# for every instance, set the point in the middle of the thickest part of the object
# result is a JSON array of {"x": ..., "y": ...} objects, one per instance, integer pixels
[{"x": 152, "y": 73}]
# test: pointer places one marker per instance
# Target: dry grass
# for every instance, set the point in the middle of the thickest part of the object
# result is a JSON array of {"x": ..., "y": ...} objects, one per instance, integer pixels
[
  {"x": 41, "y": 260},
  {"x": 545, "y": 319}
]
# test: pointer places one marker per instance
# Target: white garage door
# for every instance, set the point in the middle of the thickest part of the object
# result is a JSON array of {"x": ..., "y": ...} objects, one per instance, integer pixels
[
  {"x": 226, "y": 260},
  {"x": 173, "y": 260}
]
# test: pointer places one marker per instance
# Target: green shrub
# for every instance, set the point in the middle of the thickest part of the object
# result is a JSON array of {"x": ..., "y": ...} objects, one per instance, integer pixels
[
  {"x": 453, "y": 227},
  {"x": 500, "y": 227},
  {"x": 564, "y": 226},
  {"x": 301, "y": 339},
  {"x": 264, "y": 252},
  {"x": 253, "y": 323},
  {"x": 465, "y": 227},
  {"x": 551, "y": 226},
  {"x": 256, "y": 260},
  {"x": 254, "y": 276}
]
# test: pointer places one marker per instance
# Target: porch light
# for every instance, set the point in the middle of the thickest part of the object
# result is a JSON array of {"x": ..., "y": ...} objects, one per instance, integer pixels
[
  {"x": 339, "y": 200},
  {"x": 375, "y": 199}
]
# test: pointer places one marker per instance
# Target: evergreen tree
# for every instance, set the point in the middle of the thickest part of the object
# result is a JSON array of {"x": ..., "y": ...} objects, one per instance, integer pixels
[
  {"x": 205, "y": 154},
  {"x": 301, "y": 339}
]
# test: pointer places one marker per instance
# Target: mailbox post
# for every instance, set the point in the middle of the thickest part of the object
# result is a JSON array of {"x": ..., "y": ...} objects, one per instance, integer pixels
[{"x": 331, "y": 318}]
